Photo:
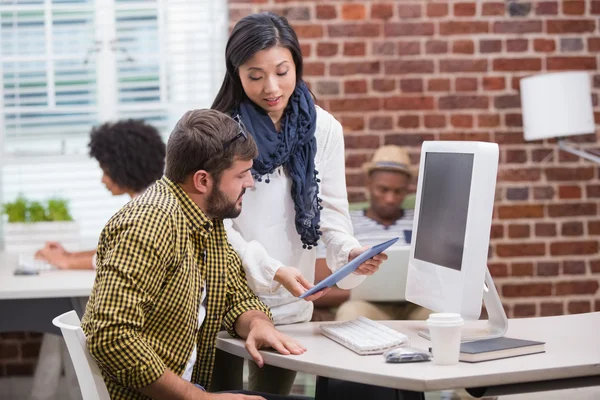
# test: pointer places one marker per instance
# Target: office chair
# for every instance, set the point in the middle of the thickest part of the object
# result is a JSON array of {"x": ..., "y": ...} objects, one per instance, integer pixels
[{"x": 88, "y": 374}]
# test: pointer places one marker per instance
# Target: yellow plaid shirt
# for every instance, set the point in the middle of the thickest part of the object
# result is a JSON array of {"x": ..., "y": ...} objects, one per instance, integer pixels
[{"x": 154, "y": 256}]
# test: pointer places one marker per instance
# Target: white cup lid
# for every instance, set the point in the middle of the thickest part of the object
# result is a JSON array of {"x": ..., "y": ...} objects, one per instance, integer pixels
[{"x": 445, "y": 319}]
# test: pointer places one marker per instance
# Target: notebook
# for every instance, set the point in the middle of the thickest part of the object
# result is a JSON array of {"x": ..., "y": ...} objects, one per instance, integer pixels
[{"x": 495, "y": 349}]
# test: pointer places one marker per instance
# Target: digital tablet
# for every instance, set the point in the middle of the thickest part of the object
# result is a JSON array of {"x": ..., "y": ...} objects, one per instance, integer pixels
[{"x": 349, "y": 268}]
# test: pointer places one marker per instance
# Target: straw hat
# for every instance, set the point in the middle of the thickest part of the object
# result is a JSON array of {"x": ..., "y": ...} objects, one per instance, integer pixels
[{"x": 389, "y": 158}]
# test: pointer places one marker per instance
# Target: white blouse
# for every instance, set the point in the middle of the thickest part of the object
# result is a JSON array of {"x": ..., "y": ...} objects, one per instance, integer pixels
[{"x": 265, "y": 236}]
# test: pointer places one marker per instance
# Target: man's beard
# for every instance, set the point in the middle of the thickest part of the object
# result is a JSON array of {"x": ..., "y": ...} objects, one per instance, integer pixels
[{"x": 220, "y": 207}]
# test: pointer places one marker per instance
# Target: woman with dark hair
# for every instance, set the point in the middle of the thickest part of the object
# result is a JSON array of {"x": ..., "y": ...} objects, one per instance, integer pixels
[{"x": 299, "y": 198}]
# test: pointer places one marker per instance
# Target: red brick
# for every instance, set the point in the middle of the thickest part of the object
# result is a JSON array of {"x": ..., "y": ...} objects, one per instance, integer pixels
[
  {"x": 360, "y": 105},
  {"x": 384, "y": 48},
  {"x": 409, "y": 11},
  {"x": 507, "y": 101},
  {"x": 19, "y": 368},
  {"x": 435, "y": 121},
  {"x": 574, "y": 248},
  {"x": 544, "y": 45},
  {"x": 569, "y": 174},
  {"x": 594, "y": 227},
  {"x": 496, "y": 232},
  {"x": 593, "y": 191},
  {"x": 235, "y": 14},
  {"x": 314, "y": 69},
  {"x": 518, "y": 27},
  {"x": 378, "y": 123},
  {"x": 546, "y": 8},
  {"x": 408, "y": 121},
  {"x": 579, "y": 307},
  {"x": 569, "y": 192},
  {"x": 465, "y": 84},
  {"x": 517, "y": 193},
  {"x": 517, "y": 64},
  {"x": 355, "y": 160},
  {"x": 355, "y": 49},
  {"x": 411, "y": 85},
  {"x": 488, "y": 120},
  {"x": 527, "y": 290},
  {"x": 465, "y": 9},
  {"x": 513, "y": 120},
  {"x": 30, "y": 350},
  {"x": 547, "y": 268},
  {"x": 325, "y": 49},
  {"x": 570, "y": 26},
  {"x": 572, "y": 210},
  {"x": 354, "y": 68},
  {"x": 524, "y": 310},
  {"x": 354, "y": 30},
  {"x": 463, "y": 47},
  {"x": 463, "y": 28},
  {"x": 541, "y": 154},
  {"x": 353, "y": 123},
  {"x": 545, "y": 229},
  {"x": 572, "y": 229},
  {"x": 326, "y": 12},
  {"x": 463, "y": 65},
  {"x": 466, "y": 136},
  {"x": 595, "y": 266},
  {"x": 355, "y": 86},
  {"x": 593, "y": 44},
  {"x": 408, "y": 103},
  {"x": 312, "y": 31},
  {"x": 515, "y": 156},
  {"x": 439, "y": 9},
  {"x": 571, "y": 63},
  {"x": 408, "y": 67},
  {"x": 575, "y": 267},
  {"x": 409, "y": 140},
  {"x": 461, "y": 121},
  {"x": 595, "y": 7},
  {"x": 361, "y": 142},
  {"x": 355, "y": 179},
  {"x": 353, "y": 12},
  {"x": 493, "y": 9},
  {"x": 521, "y": 211},
  {"x": 498, "y": 269},
  {"x": 408, "y": 29},
  {"x": 384, "y": 85},
  {"x": 551, "y": 309},
  {"x": 305, "y": 49},
  {"x": 519, "y": 231},
  {"x": 406, "y": 48},
  {"x": 490, "y": 46},
  {"x": 438, "y": 85},
  {"x": 456, "y": 102},
  {"x": 517, "y": 45},
  {"x": 382, "y": 11},
  {"x": 576, "y": 287},
  {"x": 436, "y": 47},
  {"x": 9, "y": 351}
]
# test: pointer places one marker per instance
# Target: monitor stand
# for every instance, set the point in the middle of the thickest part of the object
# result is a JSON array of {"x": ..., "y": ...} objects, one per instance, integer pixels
[{"x": 497, "y": 323}]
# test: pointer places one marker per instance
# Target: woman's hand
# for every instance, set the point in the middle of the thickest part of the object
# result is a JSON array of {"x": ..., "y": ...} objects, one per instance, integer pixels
[
  {"x": 292, "y": 279},
  {"x": 370, "y": 266}
]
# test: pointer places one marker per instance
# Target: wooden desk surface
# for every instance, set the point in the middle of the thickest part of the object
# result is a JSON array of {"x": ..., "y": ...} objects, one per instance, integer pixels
[
  {"x": 53, "y": 284},
  {"x": 572, "y": 350}
]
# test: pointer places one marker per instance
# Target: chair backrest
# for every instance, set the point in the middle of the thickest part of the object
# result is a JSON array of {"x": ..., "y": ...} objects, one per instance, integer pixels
[{"x": 90, "y": 379}]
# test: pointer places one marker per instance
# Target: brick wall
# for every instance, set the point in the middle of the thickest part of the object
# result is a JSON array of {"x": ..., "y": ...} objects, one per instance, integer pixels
[{"x": 401, "y": 72}]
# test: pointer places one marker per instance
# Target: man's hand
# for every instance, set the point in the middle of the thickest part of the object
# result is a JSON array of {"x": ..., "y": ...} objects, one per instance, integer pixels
[
  {"x": 292, "y": 279},
  {"x": 54, "y": 254},
  {"x": 263, "y": 334},
  {"x": 370, "y": 266}
]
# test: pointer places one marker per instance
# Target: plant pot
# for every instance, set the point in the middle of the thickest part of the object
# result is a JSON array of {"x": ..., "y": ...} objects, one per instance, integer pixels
[{"x": 27, "y": 238}]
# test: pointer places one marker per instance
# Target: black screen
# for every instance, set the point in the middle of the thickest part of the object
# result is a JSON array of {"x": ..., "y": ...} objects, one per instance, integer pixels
[{"x": 443, "y": 208}]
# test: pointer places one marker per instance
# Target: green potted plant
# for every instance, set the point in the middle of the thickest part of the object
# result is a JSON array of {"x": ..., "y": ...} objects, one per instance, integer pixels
[{"x": 28, "y": 225}]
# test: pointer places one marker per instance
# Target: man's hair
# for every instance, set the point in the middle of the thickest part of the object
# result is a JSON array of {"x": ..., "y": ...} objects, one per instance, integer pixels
[
  {"x": 130, "y": 152},
  {"x": 201, "y": 141}
]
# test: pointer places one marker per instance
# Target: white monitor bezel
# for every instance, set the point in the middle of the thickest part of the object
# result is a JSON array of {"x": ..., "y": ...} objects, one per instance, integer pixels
[{"x": 443, "y": 289}]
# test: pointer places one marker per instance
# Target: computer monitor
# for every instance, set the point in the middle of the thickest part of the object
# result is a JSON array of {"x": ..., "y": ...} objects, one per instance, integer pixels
[{"x": 447, "y": 269}]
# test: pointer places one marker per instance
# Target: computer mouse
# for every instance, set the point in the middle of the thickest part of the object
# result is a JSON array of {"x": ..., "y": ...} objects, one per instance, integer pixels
[{"x": 406, "y": 355}]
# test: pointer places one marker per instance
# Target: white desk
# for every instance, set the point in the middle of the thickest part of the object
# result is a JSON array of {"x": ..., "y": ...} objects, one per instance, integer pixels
[
  {"x": 30, "y": 302},
  {"x": 572, "y": 359}
]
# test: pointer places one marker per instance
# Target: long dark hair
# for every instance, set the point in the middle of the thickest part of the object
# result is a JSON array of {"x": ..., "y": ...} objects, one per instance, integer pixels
[{"x": 250, "y": 35}]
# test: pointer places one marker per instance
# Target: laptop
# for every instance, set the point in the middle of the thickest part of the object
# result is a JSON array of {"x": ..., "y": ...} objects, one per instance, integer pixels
[{"x": 389, "y": 283}]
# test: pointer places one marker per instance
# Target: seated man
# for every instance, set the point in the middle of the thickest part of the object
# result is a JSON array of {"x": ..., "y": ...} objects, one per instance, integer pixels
[
  {"x": 167, "y": 279},
  {"x": 388, "y": 180}
]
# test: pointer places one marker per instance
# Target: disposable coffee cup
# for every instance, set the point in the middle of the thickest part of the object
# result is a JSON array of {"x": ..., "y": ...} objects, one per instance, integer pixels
[{"x": 445, "y": 330}]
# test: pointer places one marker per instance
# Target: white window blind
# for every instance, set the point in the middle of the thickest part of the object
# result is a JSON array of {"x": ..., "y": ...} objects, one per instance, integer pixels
[{"x": 67, "y": 65}]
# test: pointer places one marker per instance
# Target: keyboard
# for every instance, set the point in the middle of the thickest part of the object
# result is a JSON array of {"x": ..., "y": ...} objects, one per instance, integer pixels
[
  {"x": 32, "y": 264},
  {"x": 364, "y": 336}
]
